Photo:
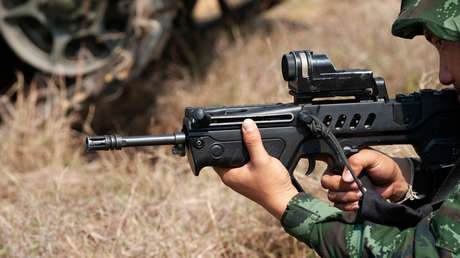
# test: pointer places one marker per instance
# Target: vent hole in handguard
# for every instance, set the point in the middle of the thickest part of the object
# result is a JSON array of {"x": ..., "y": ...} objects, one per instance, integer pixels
[
  {"x": 369, "y": 121},
  {"x": 340, "y": 121},
  {"x": 327, "y": 120},
  {"x": 355, "y": 121}
]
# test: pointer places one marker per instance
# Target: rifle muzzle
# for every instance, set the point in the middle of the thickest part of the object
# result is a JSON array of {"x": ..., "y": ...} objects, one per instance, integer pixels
[{"x": 116, "y": 142}]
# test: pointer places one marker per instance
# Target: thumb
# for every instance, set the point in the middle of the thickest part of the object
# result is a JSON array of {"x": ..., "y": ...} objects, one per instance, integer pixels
[
  {"x": 357, "y": 162},
  {"x": 253, "y": 141}
]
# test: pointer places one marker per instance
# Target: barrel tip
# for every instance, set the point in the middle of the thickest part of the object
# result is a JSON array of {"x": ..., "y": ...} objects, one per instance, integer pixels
[
  {"x": 87, "y": 143},
  {"x": 103, "y": 142},
  {"x": 94, "y": 143}
]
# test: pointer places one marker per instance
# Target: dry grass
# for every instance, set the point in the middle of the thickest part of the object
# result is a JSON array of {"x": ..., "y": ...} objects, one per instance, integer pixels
[{"x": 55, "y": 200}]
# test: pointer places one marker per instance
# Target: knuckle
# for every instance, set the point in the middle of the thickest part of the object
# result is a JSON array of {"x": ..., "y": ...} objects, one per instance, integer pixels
[
  {"x": 324, "y": 182},
  {"x": 355, "y": 160},
  {"x": 227, "y": 178},
  {"x": 224, "y": 179},
  {"x": 357, "y": 195},
  {"x": 250, "y": 141},
  {"x": 331, "y": 196},
  {"x": 352, "y": 197},
  {"x": 330, "y": 182},
  {"x": 339, "y": 206},
  {"x": 364, "y": 152},
  {"x": 343, "y": 186},
  {"x": 252, "y": 138}
]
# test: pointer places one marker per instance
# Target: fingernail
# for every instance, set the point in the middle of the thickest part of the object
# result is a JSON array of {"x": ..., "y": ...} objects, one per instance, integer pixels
[
  {"x": 347, "y": 175},
  {"x": 355, "y": 206},
  {"x": 248, "y": 125},
  {"x": 359, "y": 194}
]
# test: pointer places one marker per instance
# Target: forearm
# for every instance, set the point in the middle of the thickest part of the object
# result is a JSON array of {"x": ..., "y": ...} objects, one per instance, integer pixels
[
  {"x": 319, "y": 225},
  {"x": 407, "y": 172},
  {"x": 333, "y": 233},
  {"x": 277, "y": 204}
]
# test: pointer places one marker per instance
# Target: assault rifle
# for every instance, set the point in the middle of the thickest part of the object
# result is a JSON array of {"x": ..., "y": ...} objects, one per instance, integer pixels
[{"x": 351, "y": 105}]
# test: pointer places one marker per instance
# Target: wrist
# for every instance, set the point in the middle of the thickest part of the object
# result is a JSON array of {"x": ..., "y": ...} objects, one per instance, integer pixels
[
  {"x": 405, "y": 172},
  {"x": 409, "y": 193},
  {"x": 277, "y": 204},
  {"x": 400, "y": 191}
]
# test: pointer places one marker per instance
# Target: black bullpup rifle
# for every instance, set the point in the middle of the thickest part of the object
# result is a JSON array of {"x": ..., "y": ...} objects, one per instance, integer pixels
[{"x": 350, "y": 106}]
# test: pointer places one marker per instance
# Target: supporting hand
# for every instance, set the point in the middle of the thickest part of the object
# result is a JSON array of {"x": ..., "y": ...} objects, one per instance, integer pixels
[{"x": 263, "y": 179}]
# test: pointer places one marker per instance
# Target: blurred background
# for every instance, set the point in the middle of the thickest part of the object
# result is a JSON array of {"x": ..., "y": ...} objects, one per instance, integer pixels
[{"x": 79, "y": 67}]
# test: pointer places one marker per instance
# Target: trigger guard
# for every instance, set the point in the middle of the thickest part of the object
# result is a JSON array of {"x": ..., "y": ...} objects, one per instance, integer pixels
[{"x": 311, "y": 166}]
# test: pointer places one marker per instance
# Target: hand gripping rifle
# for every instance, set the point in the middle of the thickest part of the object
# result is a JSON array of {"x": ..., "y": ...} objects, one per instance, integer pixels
[{"x": 334, "y": 113}]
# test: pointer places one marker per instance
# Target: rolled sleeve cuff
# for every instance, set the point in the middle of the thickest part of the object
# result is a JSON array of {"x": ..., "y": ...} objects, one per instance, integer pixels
[{"x": 304, "y": 216}]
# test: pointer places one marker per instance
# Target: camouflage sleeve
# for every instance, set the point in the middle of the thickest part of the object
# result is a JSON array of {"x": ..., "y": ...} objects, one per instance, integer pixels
[
  {"x": 322, "y": 227},
  {"x": 445, "y": 224},
  {"x": 333, "y": 233}
]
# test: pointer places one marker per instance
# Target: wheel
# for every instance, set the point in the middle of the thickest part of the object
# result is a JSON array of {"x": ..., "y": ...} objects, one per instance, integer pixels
[
  {"x": 101, "y": 41},
  {"x": 65, "y": 37}
]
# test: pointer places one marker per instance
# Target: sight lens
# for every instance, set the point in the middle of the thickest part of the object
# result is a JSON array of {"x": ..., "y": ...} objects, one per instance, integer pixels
[{"x": 288, "y": 67}]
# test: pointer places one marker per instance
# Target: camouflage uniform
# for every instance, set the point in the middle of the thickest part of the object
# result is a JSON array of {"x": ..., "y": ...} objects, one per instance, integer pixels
[{"x": 333, "y": 233}]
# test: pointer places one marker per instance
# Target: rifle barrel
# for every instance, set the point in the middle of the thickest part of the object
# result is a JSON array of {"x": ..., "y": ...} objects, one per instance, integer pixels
[{"x": 112, "y": 142}]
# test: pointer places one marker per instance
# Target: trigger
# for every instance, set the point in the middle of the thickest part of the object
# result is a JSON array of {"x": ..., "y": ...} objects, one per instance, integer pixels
[{"x": 311, "y": 166}]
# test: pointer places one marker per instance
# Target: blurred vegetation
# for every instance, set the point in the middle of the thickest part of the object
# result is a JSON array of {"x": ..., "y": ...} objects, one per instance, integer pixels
[{"x": 56, "y": 200}]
